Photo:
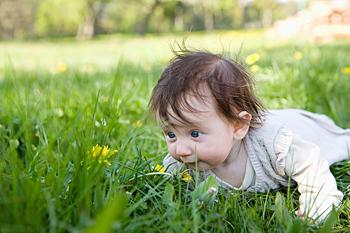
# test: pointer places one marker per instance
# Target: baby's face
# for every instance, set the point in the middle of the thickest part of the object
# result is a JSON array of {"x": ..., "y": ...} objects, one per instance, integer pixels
[{"x": 207, "y": 140}]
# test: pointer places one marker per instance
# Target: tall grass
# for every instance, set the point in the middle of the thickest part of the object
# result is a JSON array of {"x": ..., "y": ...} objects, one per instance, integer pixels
[{"x": 49, "y": 123}]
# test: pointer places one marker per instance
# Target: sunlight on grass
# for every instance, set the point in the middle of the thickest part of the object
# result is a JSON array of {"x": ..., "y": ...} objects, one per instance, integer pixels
[{"x": 107, "y": 51}]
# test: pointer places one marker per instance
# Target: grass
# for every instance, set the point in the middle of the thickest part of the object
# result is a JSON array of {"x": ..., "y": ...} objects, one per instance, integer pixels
[
  {"x": 52, "y": 117},
  {"x": 106, "y": 51}
]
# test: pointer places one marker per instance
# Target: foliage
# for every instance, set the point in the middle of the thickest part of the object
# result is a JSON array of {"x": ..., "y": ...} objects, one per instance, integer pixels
[
  {"x": 17, "y": 18},
  {"x": 86, "y": 18},
  {"x": 58, "y": 17}
]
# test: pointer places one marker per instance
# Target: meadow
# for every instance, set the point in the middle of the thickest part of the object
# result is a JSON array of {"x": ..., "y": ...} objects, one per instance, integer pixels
[{"x": 80, "y": 153}]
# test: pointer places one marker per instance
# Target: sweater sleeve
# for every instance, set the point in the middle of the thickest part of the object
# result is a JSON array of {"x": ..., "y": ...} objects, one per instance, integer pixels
[{"x": 316, "y": 184}]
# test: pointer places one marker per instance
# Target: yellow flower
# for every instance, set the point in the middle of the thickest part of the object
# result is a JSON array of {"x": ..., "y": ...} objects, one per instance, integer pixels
[
  {"x": 298, "y": 55},
  {"x": 346, "y": 70},
  {"x": 61, "y": 67},
  {"x": 185, "y": 176},
  {"x": 252, "y": 58},
  {"x": 159, "y": 168},
  {"x": 96, "y": 150},
  {"x": 254, "y": 68},
  {"x": 137, "y": 124},
  {"x": 105, "y": 151},
  {"x": 102, "y": 154}
]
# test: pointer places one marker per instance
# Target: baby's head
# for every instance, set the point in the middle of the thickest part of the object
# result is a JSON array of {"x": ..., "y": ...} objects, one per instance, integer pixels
[{"x": 201, "y": 89}]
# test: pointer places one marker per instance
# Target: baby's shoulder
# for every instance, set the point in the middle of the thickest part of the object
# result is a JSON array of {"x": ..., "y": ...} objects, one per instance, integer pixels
[
  {"x": 274, "y": 132},
  {"x": 272, "y": 123},
  {"x": 284, "y": 115}
]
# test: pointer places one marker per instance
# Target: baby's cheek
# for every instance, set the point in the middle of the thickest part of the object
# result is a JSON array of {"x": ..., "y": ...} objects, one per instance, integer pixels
[
  {"x": 171, "y": 149},
  {"x": 216, "y": 156}
]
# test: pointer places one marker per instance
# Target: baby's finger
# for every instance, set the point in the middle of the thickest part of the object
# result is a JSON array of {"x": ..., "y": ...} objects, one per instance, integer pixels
[{"x": 299, "y": 214}]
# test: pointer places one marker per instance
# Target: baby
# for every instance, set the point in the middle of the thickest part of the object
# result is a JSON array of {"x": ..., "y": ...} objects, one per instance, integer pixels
[{"x": 214, "y": 123}]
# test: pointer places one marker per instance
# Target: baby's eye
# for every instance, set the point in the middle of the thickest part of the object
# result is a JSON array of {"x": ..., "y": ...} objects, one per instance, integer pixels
[
  {"x": 195, "y": 133},
  {"x": 171, "y": 135}
]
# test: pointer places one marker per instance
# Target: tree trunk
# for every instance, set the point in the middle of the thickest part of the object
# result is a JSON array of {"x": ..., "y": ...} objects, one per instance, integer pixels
[
  {"x": 178, "y": 19},
  {"x": 17, "y": 19},
  {"x": 245, "y": 17},
  {"x": 86, "y": 28},
  {"x": 208, "y": 20},
  {"x": 266, "y": 17},
  {"x": 143, "y": 26}
]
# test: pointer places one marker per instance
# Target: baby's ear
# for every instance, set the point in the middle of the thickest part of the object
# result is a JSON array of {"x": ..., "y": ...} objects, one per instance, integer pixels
[{"x": 241, "y": 129}]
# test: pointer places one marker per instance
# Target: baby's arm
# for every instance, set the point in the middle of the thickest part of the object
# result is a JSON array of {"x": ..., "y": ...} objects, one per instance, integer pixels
[{"x": 316, "y": 184}]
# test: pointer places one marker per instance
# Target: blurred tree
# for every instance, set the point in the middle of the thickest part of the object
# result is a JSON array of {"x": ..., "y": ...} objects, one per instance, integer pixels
[
  {"x": 169, "y": 16},
  {"x": 266, "y": 8},
  {"x": 86, "y": 18},
  {"x": 173, "y": 12},
  {"x": 17, "y": 18},
  {"x": 116, "y": 20},
  {"x": 58, "y": 17},
  {"x": 144, "y": 23},
  {"x": 251, "y": 14},
  {"x": 178, "y": 16},
  {"x": 215, "y": 13},
  {"x": 92, "y": 13},
  {"x": 229, "y": 15}
]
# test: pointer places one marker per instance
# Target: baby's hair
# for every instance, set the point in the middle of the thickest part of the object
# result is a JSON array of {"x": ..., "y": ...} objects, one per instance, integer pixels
[{"x": 231, "y": 86}]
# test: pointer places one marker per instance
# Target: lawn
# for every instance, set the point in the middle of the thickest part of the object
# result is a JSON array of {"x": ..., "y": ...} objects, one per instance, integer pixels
[{"x": 79, "y": 151}]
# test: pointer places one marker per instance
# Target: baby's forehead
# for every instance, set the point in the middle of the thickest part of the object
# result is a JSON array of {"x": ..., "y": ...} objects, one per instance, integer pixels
[
  {"x": 192, "y": 106},
  {"x": 195, "y": 114},
  {"x": 188, "y": 108}
]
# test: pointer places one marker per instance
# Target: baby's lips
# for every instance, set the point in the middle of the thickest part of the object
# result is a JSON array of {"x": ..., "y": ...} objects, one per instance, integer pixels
[
  {"x": 188, "y": 160},
  {"x": 191, "y": 164}
]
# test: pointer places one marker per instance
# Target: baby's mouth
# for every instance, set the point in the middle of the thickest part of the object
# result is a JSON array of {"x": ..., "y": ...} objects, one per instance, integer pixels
[
  {"x": 189, "y": 161},
  {"x": 192, "y": 165}
]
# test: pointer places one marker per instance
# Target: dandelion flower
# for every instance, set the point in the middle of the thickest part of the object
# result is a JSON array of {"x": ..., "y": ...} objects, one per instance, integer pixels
[
  {"x": 298, "y": 55},
  {"x": 96, "y": 150},
  {"x": 137, "y": 124},
  {"x": 255, "y": 68},
  {"x": 159, "y": 168},
  {"x": 185, "y": 176},
  {"x": 61, "y": 67},
  {"x": 346, "y": 70},
  {"x": 102, "y": 154},
  {"x": 252, "y": 58},
  {"x": 105, "y": 151}
]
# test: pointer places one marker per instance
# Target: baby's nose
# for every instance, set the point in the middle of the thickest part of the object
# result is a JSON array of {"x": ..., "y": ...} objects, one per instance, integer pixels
[{"x": 183, "y": 150}]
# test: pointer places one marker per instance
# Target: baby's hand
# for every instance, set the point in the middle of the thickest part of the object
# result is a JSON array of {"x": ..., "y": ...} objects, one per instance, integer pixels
[{"x": 299, "y": 214}]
